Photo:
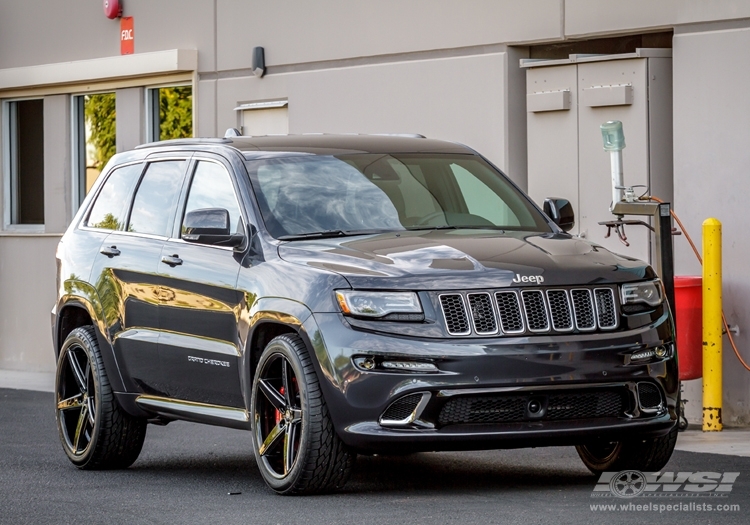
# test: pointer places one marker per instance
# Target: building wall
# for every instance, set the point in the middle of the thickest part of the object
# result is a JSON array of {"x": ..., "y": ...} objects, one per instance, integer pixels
[
  {"x": 27, "y": 289},
  {"x": 711, "y": 167},
  {"x": 442, "y": 68}
]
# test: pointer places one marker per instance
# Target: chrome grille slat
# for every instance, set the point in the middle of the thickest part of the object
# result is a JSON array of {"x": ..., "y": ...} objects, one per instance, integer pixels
[
  {"x": 606, "y": 313},
  {"x": 535, "y": 310},
  {"x": 454, "y": 313},
  {"x": 584, "y": 309},
  {"x": 509, "y": 309},
  {"x": 559, "y": 307},
  {"x": 482, "y": 313}
]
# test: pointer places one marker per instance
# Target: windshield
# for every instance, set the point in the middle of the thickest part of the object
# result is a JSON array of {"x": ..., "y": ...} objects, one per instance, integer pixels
[{"x": 370, "y": 193}]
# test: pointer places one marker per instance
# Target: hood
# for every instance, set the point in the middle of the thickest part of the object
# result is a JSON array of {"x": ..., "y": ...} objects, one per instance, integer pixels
[{"x": 465, "y": 259}]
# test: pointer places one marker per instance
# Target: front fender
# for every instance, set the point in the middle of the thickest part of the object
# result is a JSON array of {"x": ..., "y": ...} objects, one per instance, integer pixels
[{"x": 79, "y": 294}]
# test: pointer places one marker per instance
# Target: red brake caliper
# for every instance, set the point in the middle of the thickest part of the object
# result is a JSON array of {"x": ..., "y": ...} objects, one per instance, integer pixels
[{"x": 278, "y": 413}]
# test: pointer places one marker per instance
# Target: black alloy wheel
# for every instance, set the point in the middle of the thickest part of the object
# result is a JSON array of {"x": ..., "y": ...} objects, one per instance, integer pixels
[
  {"x": 278, "y": 416},
  {"x": 295, "y": 444},
  {"x": 76, "y": 400},
  {"x": 95, "y": 432}
]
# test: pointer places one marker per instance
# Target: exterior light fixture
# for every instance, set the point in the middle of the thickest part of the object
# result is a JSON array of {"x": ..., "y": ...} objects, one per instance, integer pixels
[{"x": 259, "y": 62}]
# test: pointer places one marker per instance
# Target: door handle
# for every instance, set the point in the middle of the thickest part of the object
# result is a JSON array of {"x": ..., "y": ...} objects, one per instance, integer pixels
[
  {"x": 171, "y": 260},
  {"x": 110, "y": 251}
]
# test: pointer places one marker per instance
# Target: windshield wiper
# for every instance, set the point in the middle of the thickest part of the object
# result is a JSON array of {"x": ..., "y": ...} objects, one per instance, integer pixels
[
  {"x": 454, "y": 227},
  {"x": 327, "y": 234}
]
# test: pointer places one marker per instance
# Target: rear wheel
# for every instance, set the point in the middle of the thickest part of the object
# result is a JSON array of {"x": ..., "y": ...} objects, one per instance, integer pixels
[
  {"x": 96, "y": 433},
  {"x": 646, "y": 455},
  {"x": 295, "y": 444}
]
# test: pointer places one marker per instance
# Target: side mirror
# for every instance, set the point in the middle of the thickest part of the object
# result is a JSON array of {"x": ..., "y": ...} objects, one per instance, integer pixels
[
  {"x": 561, "y": 212},
  {"x": 210, "y": 226}
]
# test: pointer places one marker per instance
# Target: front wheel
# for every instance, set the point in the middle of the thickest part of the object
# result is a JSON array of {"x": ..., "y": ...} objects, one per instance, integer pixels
[
  {"x": 295, "y": 444},
  {"x": 96, "y": 433},
  {"x": 646, "y": 455}
]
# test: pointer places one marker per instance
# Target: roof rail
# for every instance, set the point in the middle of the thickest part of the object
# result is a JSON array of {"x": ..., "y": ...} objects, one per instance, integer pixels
[{"x": 178, "y": 142}]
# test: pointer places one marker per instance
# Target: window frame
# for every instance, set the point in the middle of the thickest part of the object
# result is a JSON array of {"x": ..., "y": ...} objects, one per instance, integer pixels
[
  {"x": 7, "y": 169},
  {"x": 78, "y": 145},
  {"x": 151, "y": 105},
  {"x": 176, "y": 235},
  {"x": 146, "y": 162}
]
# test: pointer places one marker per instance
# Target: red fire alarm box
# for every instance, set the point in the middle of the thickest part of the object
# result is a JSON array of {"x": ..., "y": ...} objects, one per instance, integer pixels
[{"x": 127, "y": 36}]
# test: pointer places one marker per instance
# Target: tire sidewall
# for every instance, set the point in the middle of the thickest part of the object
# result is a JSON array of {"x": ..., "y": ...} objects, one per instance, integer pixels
[
  {"x": 598, "y": 464},
  {"x": 280, "y": 346},
  {"x": 80, "y": 338}
]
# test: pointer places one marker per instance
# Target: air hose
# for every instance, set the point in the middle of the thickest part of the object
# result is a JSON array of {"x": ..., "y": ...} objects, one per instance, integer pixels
[{"x": 700, "y": 260}]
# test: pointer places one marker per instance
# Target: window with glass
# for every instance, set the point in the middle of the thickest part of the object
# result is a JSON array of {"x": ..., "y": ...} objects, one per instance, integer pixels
[
  {"x": 95, "y": 120},
  {"x": 212, "y": 187},
  {"x": 156, "y": 198},
  {"x": 111, "y": 206},
  {"x": 350, "y": 194},
  {"x": 25, "y": 153},
  {"x": 170, "y": 112}
]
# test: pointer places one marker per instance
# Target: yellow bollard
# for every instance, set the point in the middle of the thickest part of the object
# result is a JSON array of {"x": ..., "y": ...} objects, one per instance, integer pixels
[{"x": 712, "y": 327}]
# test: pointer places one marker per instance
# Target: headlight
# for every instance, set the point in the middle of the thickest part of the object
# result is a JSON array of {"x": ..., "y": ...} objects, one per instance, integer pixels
[
  {"x": 649, "y": 292},
  {"x": 398, "y": 306}
]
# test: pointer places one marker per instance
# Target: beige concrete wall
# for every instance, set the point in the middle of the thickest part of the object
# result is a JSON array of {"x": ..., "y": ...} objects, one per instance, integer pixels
[
  {"x": 298, "y": 32},
  {"x": 592, "y": 17},
  {"x": 27, "y": 287},
  {"x": 36, "y": 32},
  {"x": 711, "y": 176}
]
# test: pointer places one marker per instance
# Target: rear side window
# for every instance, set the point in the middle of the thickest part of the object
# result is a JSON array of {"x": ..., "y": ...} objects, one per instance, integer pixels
[
  {"x": 111, "y": 205},
  {"x": 156, "y": 198}
]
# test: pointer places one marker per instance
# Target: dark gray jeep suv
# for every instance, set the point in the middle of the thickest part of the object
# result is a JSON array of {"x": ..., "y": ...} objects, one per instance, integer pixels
[{"x": 351, "y": 294}]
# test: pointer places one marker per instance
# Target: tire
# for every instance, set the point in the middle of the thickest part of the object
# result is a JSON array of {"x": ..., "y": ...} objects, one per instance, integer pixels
[
  {"x": 646, "y": 455},
  {"x": 95, "y": 432},
  {"x": 295, "y": 444}
]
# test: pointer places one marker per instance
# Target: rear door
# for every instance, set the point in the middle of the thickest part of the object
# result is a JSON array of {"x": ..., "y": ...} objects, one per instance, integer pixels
[
  {"x": 125, "y": 271},
  {"x": 199, "y": 341}
]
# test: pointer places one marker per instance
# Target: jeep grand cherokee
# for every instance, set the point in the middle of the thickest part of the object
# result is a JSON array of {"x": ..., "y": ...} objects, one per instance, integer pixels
[{"x": 337, "y": 295}]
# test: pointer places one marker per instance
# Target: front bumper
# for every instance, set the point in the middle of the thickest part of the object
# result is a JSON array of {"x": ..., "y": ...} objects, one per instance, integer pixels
[{"x": 522, "y": 368}]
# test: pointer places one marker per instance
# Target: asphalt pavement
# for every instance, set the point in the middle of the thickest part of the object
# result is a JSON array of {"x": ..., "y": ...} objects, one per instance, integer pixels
[{"x": 190, "y": 473}]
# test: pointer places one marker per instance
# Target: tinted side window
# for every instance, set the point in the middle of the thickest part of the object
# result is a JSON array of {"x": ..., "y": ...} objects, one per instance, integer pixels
[
  {"x": 212, "y": 188},
  {"x": 111, "y": 205},
  {"x": 156, "y": 198}
]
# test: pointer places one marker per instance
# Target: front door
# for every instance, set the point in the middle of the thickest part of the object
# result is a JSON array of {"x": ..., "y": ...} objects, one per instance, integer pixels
[{"x": 199, "y": 340}]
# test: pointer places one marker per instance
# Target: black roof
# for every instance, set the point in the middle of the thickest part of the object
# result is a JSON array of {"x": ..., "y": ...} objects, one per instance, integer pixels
[{"x": 324, "y": 144}]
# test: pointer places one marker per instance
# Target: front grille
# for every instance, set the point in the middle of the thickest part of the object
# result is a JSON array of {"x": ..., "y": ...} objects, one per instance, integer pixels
[
  {"x": 584, "y": 310},
  {"x": 513, "y": 408},
  {"x": 530, "y": 311},
  {"x": 510, "y": 312},
  {"x": 482, "y": 313},
  {"x": 605, "y": 308},
  {"x": 455, "y": 314},
  {"x": 536, "y": 313},
  {"x": 649, "y": 396},
  {"x": 559, "y": 307},
  {"x": 401, "y": 408}
]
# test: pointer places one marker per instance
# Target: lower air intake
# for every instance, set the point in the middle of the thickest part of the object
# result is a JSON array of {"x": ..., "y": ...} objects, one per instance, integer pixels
[
  {"x": 401, "y": 409},
  {"x": 649, "y": 396}
]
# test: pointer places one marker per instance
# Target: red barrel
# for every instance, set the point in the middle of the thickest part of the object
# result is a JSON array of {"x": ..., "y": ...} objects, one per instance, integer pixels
[{"x": 688, "y": 298}]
